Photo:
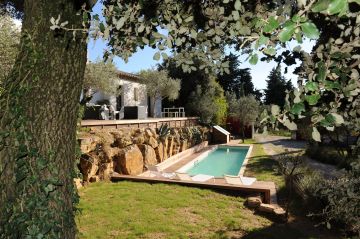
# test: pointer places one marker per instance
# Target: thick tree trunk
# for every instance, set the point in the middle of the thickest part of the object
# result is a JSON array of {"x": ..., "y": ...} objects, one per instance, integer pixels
[{"x": 38, "y": 114}]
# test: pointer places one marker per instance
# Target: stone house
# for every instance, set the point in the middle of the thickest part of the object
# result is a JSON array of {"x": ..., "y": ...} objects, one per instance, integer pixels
[{"x": 132, "y": 93}]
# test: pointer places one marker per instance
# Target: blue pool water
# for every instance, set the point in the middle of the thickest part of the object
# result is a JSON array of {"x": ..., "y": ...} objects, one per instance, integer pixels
[{"x": 223, "y": 160}]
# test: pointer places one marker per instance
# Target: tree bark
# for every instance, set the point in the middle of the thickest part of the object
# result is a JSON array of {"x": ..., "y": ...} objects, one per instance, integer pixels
[{"x": 39, "y": 109}]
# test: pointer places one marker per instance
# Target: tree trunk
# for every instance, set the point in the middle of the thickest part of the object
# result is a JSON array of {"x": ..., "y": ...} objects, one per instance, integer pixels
[
  {"x": 38, "y": 113},
  {"x": 243, "y": 132}
]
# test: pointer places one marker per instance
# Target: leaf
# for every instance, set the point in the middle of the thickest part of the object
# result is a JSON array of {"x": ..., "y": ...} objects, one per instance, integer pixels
[
  {"x": 310, "y": 30},
  {"x": 156, "y": 56},
  {"x": 263, "y": 40},
  {"x": 338, "y": 118},
  {"x": 290, "y": 125},
  {"x": 237, "y": 5},
  {"x": 287, "y": 32},
  {"x": 253, "y": 59},
  {"x": 312, "y": 86},
  {"x": 316, "y": 135},
  {"x": 272, "y": 25},
  {"x": 337, "y": 6},
  {"x": 275, "y": 110},
  {"x": 225, "y": 1},
  {"x": 322, "y": 71},
  {"x": 189, "y": 19},
  {"x": 320, "y": 6},
  {"x": 164, "y": 56},
  {"x": 121, "y": 22},
  {"x": 236, "y": 15},
  {"x": 312, "y": 99},
  {"x": 141, "y": 28},
  {"x": 271, "y": 51},
  {"x": 297, "y": 108}
]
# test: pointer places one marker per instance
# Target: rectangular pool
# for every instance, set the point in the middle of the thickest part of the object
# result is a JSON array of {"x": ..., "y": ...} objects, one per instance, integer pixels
[{"x": 219, "y": 161}]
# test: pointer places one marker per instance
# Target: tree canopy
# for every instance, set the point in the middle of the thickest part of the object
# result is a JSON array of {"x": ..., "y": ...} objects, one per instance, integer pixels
[
  {"x": 237, "y": 80},
  {"x": 277, "y": 87}
]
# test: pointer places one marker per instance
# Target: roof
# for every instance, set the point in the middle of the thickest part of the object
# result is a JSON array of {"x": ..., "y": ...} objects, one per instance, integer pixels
[{"x": 129, "y": 76}]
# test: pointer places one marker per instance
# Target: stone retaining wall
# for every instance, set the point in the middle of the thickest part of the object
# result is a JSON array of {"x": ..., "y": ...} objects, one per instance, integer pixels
[{"x": 128, "y": 150}]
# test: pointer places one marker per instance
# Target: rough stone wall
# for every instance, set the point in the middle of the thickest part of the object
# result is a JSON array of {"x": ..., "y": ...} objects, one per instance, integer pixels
[{"x": 128, "y": 151}]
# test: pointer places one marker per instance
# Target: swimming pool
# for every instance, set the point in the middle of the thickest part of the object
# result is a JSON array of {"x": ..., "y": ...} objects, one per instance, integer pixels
[{"x": 218, "y": 161}]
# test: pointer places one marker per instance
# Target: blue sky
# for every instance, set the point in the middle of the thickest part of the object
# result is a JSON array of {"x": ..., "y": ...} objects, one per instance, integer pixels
[{"x": 143, "y": 59}]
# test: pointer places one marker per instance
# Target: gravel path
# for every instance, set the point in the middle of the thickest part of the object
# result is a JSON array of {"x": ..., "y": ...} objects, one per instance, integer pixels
[{"x": 275, "y": 145}]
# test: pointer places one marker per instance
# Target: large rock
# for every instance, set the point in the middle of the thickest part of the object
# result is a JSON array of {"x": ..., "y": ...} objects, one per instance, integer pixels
[
  {"x": 253, "y": 202},
  {"x": 149, "y": 154},
  {"x": 89, "y": 165},
  {"x": 160, "y": 152},
  {"x": 267, "y": 208},
  {"x": 123, "y": 141},
  {"x": 129, "y": 161},
  {"x": 139, "y": 139},
  {"x": 183, "y": 145},
  {"x": 149, "y": 133},
  {"x": 170, "y": 146},
  {"x": 105, "y": 170},
  {"x": 152, "y": 142}
]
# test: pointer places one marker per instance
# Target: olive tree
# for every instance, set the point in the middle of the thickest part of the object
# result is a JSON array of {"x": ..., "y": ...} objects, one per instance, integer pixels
[
  {"x": 160, "y": 86},
  {"x": 246, "y": 109},
  {"x": 100, "y": 76}
]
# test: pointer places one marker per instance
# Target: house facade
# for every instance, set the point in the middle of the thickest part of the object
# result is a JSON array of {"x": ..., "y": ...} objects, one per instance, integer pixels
[{"x": 131, "y": 93}]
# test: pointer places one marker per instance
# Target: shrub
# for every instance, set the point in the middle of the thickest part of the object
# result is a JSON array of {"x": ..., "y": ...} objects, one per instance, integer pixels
[
  {"x": 325, "y": 154},
  {"x": 337, "y": 201}
]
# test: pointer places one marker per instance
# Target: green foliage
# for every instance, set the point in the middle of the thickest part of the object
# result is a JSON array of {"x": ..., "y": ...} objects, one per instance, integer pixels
[
  {"x": 246, "y": 109},
  {"x": 339, "y": 198},
  {"x": 159, "y": 85},
  {"x": 101, "y": 76},
  {"x": 276, "y": 88},
  {"x": 9, "y": 44},
  {"x": 208, "y": 102},
  {"x": 237, "y": 81}
]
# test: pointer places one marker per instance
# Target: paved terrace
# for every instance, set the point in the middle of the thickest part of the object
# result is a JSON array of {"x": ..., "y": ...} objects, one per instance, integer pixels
[
  {"x": 267, "y": 189},
  {"x": 140, "y": 123}
]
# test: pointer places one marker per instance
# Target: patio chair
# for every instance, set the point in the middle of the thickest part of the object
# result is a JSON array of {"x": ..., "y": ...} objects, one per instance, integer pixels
[
  {"x": 196, "y": 178},
  {"x": 239, "y": 180},
  {"x": 156, "y": 172}
]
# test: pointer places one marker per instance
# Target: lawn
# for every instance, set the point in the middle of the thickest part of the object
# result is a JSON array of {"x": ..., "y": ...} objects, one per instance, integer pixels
[
  {"x": 140, "y": 210},
  {"x": 262, "y": 166}
]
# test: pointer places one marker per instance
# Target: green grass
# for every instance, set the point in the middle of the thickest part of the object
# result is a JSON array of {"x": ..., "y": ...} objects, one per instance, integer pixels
[
  {"x": 140, "y": 210},
  {"x": 262, "y": 166}
]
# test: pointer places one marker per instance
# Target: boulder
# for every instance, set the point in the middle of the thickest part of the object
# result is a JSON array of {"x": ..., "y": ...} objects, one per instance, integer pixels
[
  {"x": 149, "y": 154},
  {"x": 123, "y": 141},
  {"x": 253, "y": 202},
  {"x": 149, "y": 133},
  {"x": 267, "y": 208},
  {"x": 89, "y": 165},
  {"x": 129, "y": 161},
  {"x": 152, "y": 142},
  {"x": 105, "y": 171},
  {"x": 109, "y": 153},
  {"x": 138, "y": 139},
  {"x": 170, "y": 146},
  {"x": 183, "y": 145},
  {"x": 161, "y": 153},
  {"x": 280, "y": 214}
]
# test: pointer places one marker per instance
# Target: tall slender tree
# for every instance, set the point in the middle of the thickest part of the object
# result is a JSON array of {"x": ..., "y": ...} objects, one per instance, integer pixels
[
  {"x": 237, "y": 80},
  {"x": 276, "y": 88}
]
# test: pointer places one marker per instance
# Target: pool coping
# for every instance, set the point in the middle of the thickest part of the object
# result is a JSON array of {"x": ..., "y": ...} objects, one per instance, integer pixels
[{"x": 190, "y": 164}]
